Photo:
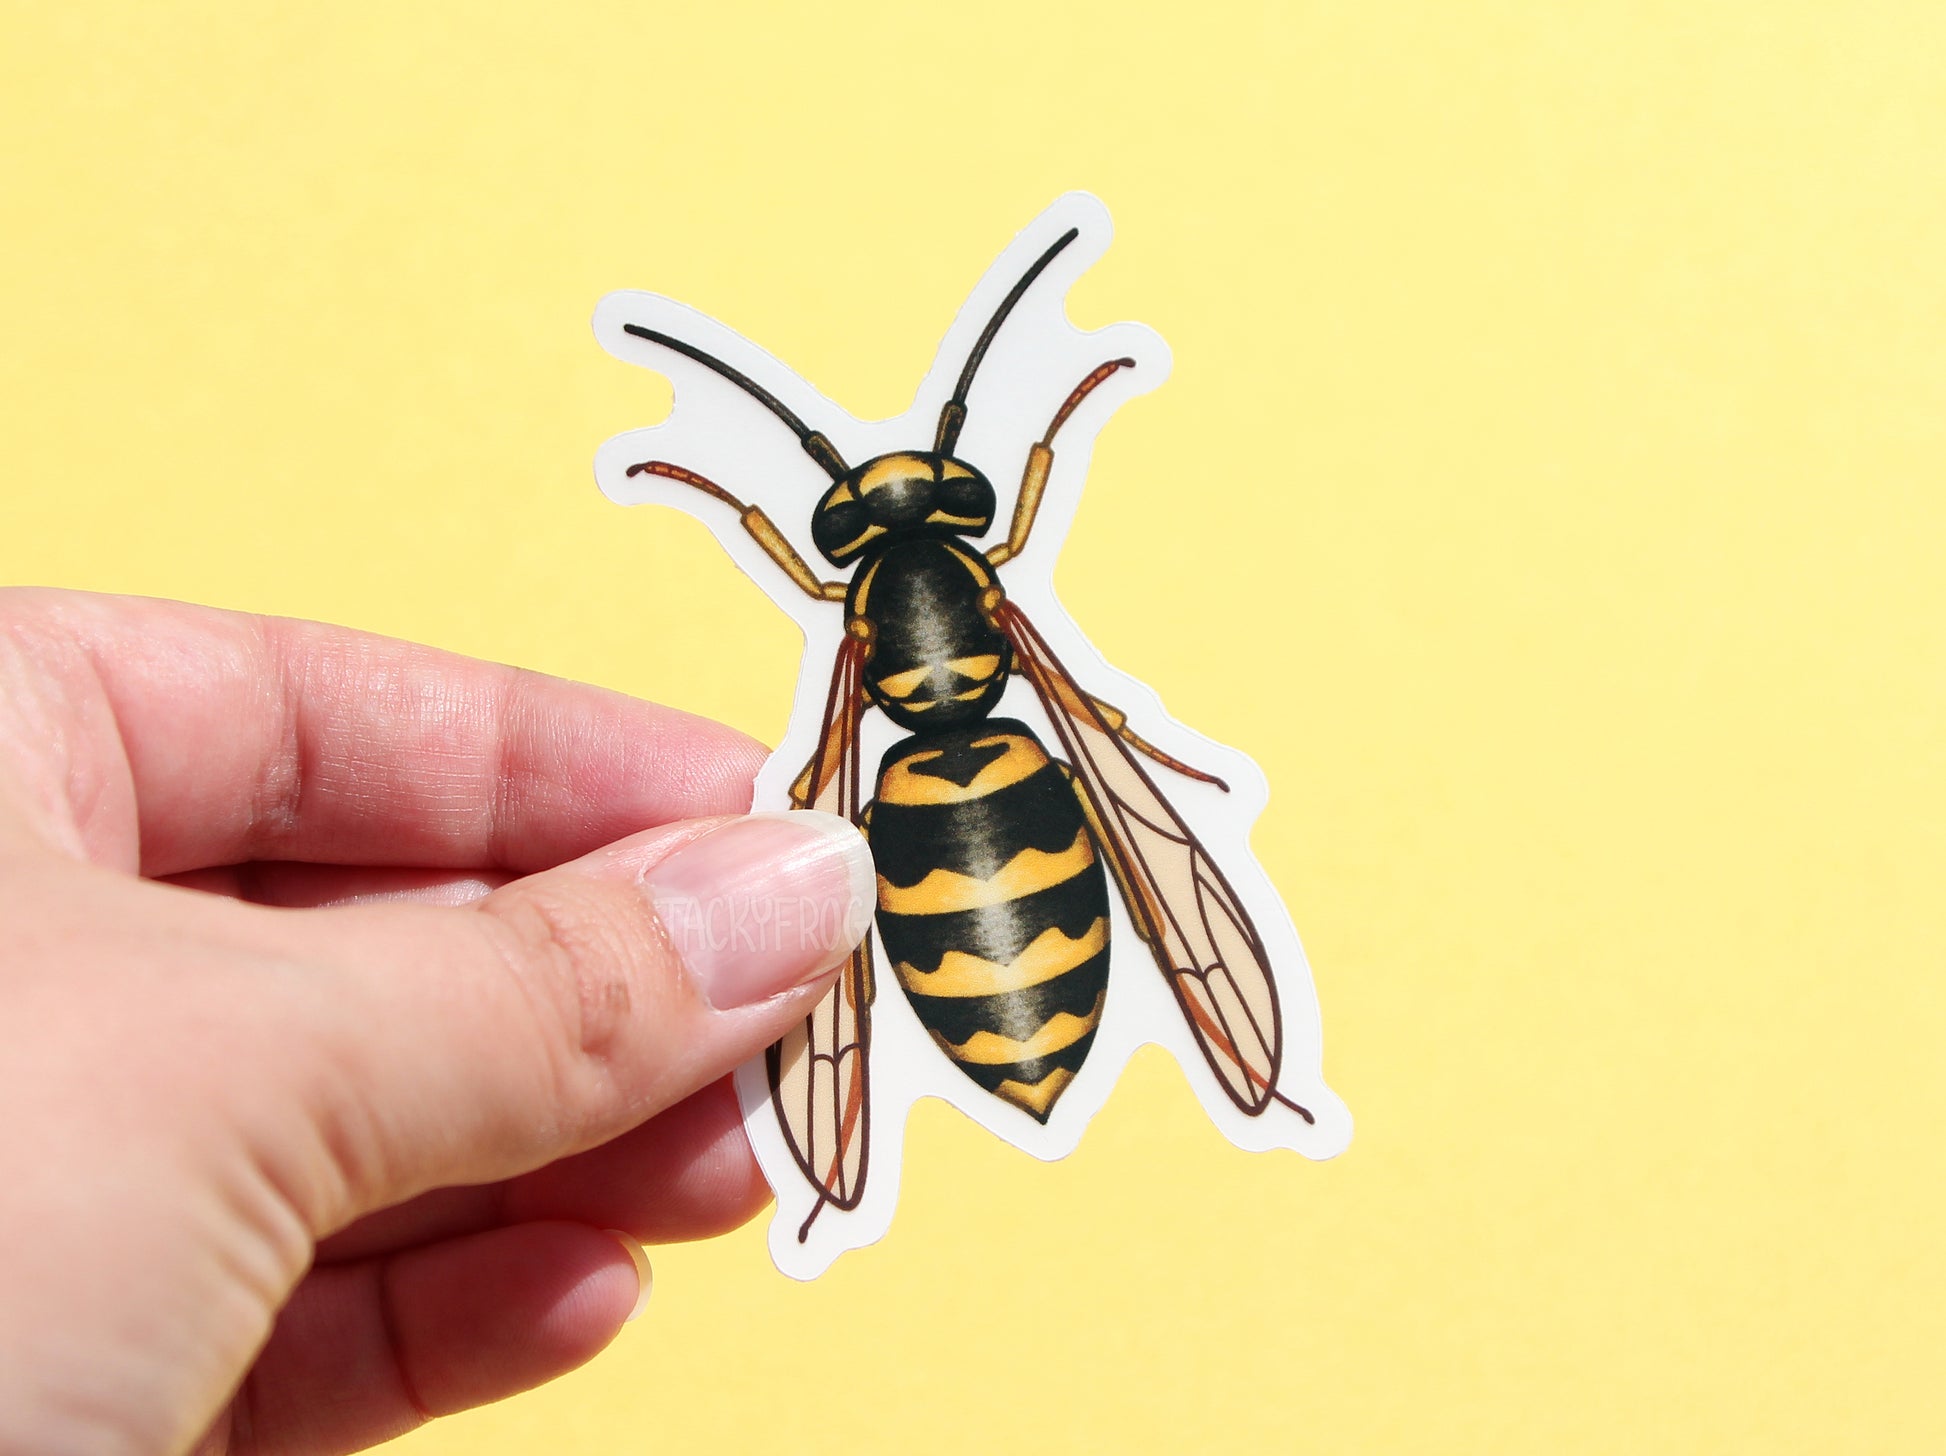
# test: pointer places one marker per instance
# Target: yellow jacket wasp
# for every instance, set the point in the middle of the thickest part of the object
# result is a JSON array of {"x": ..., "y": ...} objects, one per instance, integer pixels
[{"x": 996, "y": 843}]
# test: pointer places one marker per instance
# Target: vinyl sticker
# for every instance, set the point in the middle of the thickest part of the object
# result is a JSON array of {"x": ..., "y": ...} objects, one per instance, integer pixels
[{"x": 1064, "y": 872}]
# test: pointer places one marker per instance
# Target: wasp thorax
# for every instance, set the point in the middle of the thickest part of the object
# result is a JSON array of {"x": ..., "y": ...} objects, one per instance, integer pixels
[{"x": 899, "y": 495}]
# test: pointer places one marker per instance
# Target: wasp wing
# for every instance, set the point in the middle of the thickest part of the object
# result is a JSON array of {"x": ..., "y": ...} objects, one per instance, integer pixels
[
  {"x": 1182, "y": 906},
  {"x": 818, "y": 1072}
]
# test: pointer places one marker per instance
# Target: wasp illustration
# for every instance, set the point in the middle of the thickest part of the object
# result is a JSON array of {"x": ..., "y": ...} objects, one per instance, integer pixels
[{"x": 995, "y": 850}]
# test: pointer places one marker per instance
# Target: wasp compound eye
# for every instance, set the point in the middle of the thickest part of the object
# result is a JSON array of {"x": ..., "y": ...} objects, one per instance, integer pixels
[
  {"x": 842, "y": 528},
  {"x": 967, "y": 501}
]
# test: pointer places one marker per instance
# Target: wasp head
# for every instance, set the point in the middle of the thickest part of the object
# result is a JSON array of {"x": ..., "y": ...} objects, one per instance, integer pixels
[{"x": 901, "y": 495}]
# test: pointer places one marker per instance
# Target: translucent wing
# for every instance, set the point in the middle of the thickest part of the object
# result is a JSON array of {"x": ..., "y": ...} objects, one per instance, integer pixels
[
  {"x": 1183, "y": 908},
  {"x": 818, "y": 1072}
]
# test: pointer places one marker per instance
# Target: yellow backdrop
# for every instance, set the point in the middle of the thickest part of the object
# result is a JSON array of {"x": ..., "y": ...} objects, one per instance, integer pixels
[{"x": 1554, "y": 459}]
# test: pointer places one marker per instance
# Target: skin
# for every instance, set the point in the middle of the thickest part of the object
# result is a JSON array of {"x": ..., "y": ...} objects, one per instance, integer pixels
[{"x": 335, "y": 1027}]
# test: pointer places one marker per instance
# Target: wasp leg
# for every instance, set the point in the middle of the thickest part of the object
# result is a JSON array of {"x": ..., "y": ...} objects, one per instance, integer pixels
[
  {"x": 1087, "y": 705},
  {"x": 759, "y": 525},
  {"x": 811, "y": 784},
  {"x": 1117, "y": 722},
  {"x": 1033, "y": 484},
  {"x": 1040, "y": 460}
]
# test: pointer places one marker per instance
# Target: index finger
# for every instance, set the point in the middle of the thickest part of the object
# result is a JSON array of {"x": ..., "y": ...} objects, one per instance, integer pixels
[{"x": 221, "y": 738}]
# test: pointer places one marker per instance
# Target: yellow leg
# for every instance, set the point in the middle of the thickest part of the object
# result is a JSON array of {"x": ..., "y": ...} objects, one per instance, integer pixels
[
  {"x": 1033, "y": 485},
  {"x": 761, "y": 528}
]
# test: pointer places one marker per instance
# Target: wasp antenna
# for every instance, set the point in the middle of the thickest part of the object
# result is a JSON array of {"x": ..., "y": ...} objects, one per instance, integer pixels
[
  {"x": 953, "y": 415},
  {"x": 1081, "y": 391},
  {"x": 686, "y": 477},
  {"x": 815, "y": 445}
]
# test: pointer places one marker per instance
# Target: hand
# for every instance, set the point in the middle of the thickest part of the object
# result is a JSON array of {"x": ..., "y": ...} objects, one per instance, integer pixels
[{"x": 315, "y": 1114}]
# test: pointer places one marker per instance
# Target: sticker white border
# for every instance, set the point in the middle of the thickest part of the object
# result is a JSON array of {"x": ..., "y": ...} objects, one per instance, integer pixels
[{"x": 719, "y": 431}]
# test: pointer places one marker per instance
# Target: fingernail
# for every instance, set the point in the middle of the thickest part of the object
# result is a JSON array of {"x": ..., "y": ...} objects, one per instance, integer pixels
[
  {"x": 765, "y": 903},
  {"x": 644, "y": 1275}
]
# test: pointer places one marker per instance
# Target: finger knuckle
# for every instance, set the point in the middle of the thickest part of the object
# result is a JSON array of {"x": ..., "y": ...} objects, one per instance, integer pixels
[{"x": 582, "y": 959}]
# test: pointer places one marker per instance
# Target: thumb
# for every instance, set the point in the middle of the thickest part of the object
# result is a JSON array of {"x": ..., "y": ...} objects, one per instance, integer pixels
[{"x": 470, "y": 1045}]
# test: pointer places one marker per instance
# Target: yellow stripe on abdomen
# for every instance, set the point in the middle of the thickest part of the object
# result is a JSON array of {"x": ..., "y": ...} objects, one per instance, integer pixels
[
  {"x": 1052, "y": 953},
  {"x": 942, "y": 892},
  {"x": 907, "y": 783},
  {"x": 1058, "y": 1032},
  {"x": 1036, "y": 1097}
]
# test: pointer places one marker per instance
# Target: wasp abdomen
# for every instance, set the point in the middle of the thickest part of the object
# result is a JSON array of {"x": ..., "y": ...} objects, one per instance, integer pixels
[{"x": 993, "y": 906}]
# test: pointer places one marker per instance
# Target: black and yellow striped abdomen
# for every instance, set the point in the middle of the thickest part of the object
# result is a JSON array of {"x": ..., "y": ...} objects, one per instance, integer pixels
[{"x": 993, "y": 906}]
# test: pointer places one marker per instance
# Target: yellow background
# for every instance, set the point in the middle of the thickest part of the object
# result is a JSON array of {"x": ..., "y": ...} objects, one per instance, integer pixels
[{"x": 1555, "y": 445}]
